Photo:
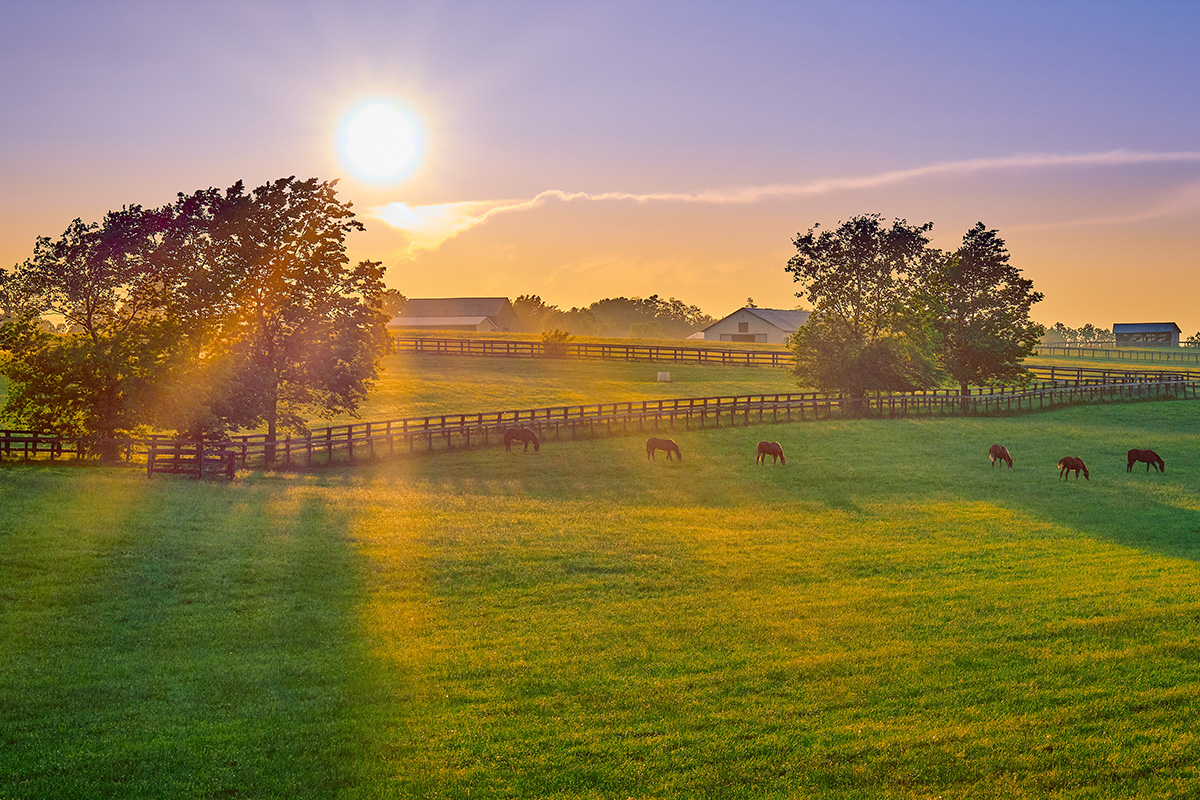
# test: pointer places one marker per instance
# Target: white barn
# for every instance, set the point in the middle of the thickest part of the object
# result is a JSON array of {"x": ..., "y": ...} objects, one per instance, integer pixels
[{"x": 761, "y": 325}]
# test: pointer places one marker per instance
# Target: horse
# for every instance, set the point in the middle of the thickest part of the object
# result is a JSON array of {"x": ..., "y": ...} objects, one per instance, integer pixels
[
  {"x": 668, "y": 445},
  {"x": 1072, "y": 464},
  {"x": 999, "y": 452},
  {"x": 1148, "y": 456},
  {"x": 772, "y": 449},
  {"x": 521, "y": 434}
]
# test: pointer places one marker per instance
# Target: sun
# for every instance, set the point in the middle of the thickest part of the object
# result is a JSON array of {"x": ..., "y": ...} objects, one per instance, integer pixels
[{"x": 380, "y": 141}]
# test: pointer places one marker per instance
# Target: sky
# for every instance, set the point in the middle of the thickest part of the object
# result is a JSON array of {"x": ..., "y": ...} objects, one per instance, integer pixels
[{"x": 583, "y": 150}]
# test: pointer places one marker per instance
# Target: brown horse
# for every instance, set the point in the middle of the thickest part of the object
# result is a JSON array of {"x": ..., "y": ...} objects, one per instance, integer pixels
[
  {"x": 1148, "y": 456},
  {"x": 667, "y": 445},
  {"x": 772, "y": 449},
  {"x": 999, "y": 452},
  {"x": 521, "y": 434},
  {"x": 1072, "y": 464}
]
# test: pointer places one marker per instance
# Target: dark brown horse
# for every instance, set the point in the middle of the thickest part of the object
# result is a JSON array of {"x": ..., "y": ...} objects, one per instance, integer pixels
[
  {"x": 1148, "y": 456},
  {"x": 521, "y": 434},
  {"x": 667, "y": 445},
  {"x": 1071, "y": 464},
  {"x": 999, "y": 452},
  {"x": 772, "y": 449}
]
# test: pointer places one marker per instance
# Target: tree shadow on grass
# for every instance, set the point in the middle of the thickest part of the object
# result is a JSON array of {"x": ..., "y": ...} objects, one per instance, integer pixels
[
  {"x": 209, "y": 647},
  {"x": 1151, "y": 512},
  {"x": 850, "y": 466}
]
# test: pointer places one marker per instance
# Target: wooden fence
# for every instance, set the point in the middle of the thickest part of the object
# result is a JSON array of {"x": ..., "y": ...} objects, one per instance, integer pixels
[
  {"x": 194, "y": 459},
  {"x": 1181, "y": 355},
  {"x": 501, "y": 348},
  {"x": 1056, "y": 386}
]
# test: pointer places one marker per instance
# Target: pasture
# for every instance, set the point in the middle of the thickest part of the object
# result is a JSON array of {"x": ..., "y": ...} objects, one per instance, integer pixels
[
  {"x": 885, "y": 616},
  {"x": 476, "y": 383}
]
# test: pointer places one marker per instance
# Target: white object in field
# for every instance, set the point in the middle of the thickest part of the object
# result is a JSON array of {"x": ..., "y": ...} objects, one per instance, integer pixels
[{"x": 664, "y": 377}]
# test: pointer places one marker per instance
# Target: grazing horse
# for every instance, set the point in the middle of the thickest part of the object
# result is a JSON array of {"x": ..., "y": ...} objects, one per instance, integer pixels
[
  {"x": 521, "y": 434},
  {"x": 772, "y": 449},
  {"x": 668, "y": 445},
  {"x": 1071, "y": 464},
  {"x": 1150, "y": 457},
  {"x": 999, "y": 452}
]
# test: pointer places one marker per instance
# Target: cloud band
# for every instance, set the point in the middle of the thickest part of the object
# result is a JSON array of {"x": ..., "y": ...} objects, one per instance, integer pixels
[{"x": 428, "y": 226}]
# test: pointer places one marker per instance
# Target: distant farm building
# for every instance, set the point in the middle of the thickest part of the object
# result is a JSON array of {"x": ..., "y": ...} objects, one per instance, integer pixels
[
  {"x": 486, "y": 314},
  {"x": 1147, "y": 334},
  {"x": 763, "y": 325}
]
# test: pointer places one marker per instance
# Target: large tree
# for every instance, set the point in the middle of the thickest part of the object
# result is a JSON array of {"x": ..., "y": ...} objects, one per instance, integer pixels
[
  {"x": 86, "y": 338},
  {"x": 229, "y": 309},
  {"x": 291, "y": 328},
  {"x": 867, "y": 332},
  {"x": 981, "y": 305}
]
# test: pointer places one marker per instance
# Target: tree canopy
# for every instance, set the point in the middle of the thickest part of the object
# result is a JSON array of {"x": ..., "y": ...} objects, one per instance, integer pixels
[
  {"x": 1089, "y": 334},
  {"x": 866, "y": 332},
  {"x": 893, "y": 313},
  {"x": 648, "y": 317},
  {"x": 225, "y": 310},
  {"x": 981, "y": 308}
]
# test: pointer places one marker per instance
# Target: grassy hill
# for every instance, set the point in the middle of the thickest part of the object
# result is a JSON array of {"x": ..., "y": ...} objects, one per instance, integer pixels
[{"x": 885, "y": 616}]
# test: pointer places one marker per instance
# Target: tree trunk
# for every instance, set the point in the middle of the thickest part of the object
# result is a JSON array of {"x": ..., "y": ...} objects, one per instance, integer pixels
[{"x": 965, "y": 401}]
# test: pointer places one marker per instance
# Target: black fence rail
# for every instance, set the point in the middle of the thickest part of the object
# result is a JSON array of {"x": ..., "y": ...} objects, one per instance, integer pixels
[
  {"x": 367, "y": 440},
  {"x": 501, "y": 348},
  {"x": 1181, "y": 355},
  {"x": 31, "y": 445},
  {"x": 194, "y": 459},
  {"x": 1079, "y": 375},
  {"x": 782, "y": 358}
]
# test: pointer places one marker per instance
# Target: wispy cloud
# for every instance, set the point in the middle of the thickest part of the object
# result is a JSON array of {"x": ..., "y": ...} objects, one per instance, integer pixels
[
  {"x": 427, "y": 227},
  {"x": 1184, "y": 199}
]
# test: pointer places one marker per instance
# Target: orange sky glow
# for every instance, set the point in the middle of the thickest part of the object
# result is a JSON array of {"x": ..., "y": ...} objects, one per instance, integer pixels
[{"x": 583, "y": 150}]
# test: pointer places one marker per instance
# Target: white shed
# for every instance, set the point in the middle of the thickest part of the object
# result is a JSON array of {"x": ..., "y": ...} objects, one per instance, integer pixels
[{"x": 763, "y": 325}]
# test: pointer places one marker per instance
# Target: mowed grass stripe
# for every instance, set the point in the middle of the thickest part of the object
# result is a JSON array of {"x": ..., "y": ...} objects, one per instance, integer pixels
[
  {"x": 175, "y": 639},
  {"x": 886, "y": 615}
]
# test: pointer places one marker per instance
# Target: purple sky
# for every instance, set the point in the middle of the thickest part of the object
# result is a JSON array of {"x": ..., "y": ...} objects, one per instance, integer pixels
[{"x": 686, "y": 142}]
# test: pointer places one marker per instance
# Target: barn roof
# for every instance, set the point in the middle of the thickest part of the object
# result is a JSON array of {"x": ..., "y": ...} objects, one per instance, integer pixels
[
  {"x": 1145, "y": 327},
  {"x": 453, "y": 307},
  {"x": 788, "y": 320},
  {"x": 784, "y": 319},
  {"x": 439, "y": 322}
]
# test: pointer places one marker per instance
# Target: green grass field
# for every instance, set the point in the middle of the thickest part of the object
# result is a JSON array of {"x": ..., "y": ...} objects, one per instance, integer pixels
[
  {"x": 885, "y": 616},
  {"x": 469, "y": 384}
]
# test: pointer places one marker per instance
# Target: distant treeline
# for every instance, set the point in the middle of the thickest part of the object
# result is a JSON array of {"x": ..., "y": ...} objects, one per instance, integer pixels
[
  {"x": 645, "y": 318},
  {"x": 1087, "y": 335},
  {"x": 1090, "y": 335}
]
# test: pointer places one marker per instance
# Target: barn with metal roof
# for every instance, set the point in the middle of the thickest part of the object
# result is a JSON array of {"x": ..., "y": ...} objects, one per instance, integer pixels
[
  {"x": 1146, "y": 334},
  {"x": 456, "y": 314}
]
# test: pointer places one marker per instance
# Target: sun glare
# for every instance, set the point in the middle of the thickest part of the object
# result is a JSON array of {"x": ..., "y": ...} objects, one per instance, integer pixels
[{"x": 380, "y": 141}]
